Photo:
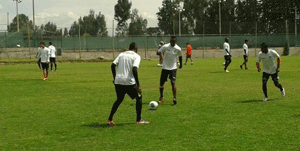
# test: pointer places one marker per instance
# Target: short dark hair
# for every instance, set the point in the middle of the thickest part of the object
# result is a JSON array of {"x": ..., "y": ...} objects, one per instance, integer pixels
[
  {"x": 226, "y": 39},
  {"x": 173, "y": 37},
  {"x": 50, "y": 43},
  {"x": 264, "y": 45},
  {"x": 42, "y": 43},
  {"x": 187, "y": 43},
  {"x": 132, "y": 46},
  {"x": 246, "y": 40}
]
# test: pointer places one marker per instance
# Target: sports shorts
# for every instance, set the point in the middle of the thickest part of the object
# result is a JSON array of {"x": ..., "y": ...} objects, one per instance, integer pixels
[{"x": 165, "y": 74}]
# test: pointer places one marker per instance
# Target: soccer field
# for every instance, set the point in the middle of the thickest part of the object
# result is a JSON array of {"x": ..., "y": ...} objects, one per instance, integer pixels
[{"x": 215, "y": 110}]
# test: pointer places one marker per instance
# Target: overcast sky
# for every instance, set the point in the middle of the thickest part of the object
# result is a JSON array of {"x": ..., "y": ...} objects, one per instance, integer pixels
[{"x": 64, "y": 12}]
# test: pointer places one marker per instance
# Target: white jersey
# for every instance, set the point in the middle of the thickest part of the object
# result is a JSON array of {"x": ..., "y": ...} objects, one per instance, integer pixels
[
  {"x": 52, "y": 51},
  {"x": 226, "y": 46},
  {"x": 268, "y": 59},
  {"x": 45, "y": 55},
  {"x": 170, "y": 56},
  {"x": 245, "y": 47},
  {"x": 125, "y": 62}
]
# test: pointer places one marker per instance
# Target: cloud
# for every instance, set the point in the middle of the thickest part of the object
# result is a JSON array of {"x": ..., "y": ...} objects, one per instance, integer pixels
[
  {"x": 148, "y": 16},
  {"x": 45, "y": 15},
  {"x": 72, "y": 15}
]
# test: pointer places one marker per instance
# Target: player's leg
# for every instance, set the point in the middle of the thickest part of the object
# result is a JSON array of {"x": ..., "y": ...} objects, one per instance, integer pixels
[
  {"x": 39, "y": 64},
  {"x": 191, "y": 60},
  {"x": 163, "y": 79},
  {"x": 54, "y": 60},
  {"x": 47, "y": 69},
  {"x": 120, "y": 91},
  {"x": 174, "y": 89},
  {"x": 265, "y": 79},
  {"x": 44, "y": 70},
  {"x": 275, "y": 79},
  {"x": 227, "y": 61}
]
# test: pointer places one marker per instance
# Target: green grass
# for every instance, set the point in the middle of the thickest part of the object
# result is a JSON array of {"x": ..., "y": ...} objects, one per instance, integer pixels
[{"x": 215, "y": 111}]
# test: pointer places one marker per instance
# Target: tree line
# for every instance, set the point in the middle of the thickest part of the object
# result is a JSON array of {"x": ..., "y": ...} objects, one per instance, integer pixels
[{"x": 196, "y": 17}]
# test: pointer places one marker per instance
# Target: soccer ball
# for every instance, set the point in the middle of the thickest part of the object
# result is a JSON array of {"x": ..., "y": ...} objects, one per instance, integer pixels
[
  {"x": 223, "y": 63},
  {"x": 153, "y": 105},
  {"x": 18, "y": 46}
]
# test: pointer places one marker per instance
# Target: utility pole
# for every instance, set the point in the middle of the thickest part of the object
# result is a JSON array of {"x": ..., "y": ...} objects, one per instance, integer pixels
[
  {"x": 33, "y": 15},
  {"x": 18, "y": 1},
  {"x": 220, "y": 28}
]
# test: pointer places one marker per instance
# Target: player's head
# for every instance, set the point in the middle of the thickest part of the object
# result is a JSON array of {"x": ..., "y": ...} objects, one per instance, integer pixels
[
  {"x": 161, "y": 43},
  {"x": 246, "y": 41},
  {"x": 187, "y": 43},
  {"x": 133, "y": 46},
  {"x": 42, "y": 44},
  {"x": 50, "y": 43},
  {"x": 173, "y": 40},
  {"x": 226, "y": 40},
  {"x": 264, "y": 47}
]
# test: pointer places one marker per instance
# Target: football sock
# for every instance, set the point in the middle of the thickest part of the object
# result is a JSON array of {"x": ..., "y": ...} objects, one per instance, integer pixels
[
  {"x": 115, "y": 108},
  {"x": 161, "y": 90},
  {"x": 138, "y": 108},
  {"x": 265, "y": 90}
]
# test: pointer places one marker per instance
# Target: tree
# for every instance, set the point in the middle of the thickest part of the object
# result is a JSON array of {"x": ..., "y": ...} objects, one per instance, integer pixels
[
  {"x": 122, "y": 14},
  {"x": 194, "y": 13},
  {"x": 93, "y": 25},
  {"x": 138, "y": 25},
  {"x": 23, "y": 23},
  {"x": 166, "y": 17},
  {"x": 154, "y": 31},
  {"x": 50, "y": 29},
  {"x": 66, "y": 33}
]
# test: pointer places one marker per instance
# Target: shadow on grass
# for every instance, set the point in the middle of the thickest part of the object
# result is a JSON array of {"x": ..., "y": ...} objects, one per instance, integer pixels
[
  {"x": 104, "y": 125},
  {"x": 256, "y": 101}
]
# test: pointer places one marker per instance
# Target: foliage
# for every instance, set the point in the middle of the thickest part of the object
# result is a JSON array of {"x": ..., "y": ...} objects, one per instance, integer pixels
[
  {"x": 23, "y": 23},
  {"x": 94, "y": 25},
  {"x": 66, "y": 32},
  {"x": 49, "y": 30},
  {"x": 166, "y": 17},
  {"x": 138, "y": 25},
  {"x": 122, "y": 14}
]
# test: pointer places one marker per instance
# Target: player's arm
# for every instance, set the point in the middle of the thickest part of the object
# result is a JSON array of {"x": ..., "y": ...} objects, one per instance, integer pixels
[
  {"x": 227, "y": 51},
  {"x": 258, "y": 66},
  {"x": 113, "y": 71},
  {"x": 180, "y": 62},
  {"x": 245, "y": 52},
  {"x": 159, "y": 51},
  {"x": 278, "y": 64},
  {"x": 48, "y": 56},
  {"x": 136, "y": 77}
]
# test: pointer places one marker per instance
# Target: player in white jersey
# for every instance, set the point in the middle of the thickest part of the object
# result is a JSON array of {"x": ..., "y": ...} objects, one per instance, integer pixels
[
  {"x": 245, "y": 55},
  {"x": 227, "y": 55},
  {"x": 45, "y": 59},
  {"x": 52, "y": 56},
  {"x": 126, "y": 81},
  {"x": 169, "y": 68},
  {"x": 267, "y": 56}
]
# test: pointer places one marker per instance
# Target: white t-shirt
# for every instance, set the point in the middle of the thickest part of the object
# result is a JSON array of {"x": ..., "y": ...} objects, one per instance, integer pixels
[
  {"x": 170, "y": 56},
  {"x": 45, "y": 55},
  {"x": 245, "y": 47},
  {"x": 226, "y": 46},
  {"x": 125, "y": 62},
  {"x": 268, "y": 59},
  {"x": 52, "y": 51}
]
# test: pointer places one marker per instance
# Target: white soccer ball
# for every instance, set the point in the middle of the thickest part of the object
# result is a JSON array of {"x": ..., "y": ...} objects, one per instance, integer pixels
[
  {"x": 18, "y": 46},
  {"x": 153, "y": 105},
  {"x": 223, "y": 63}
]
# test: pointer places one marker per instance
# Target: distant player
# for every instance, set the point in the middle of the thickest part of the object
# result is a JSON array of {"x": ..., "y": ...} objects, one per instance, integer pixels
[
  {"x": 38, "y": 55},
  {"x": 169, "y": 68},
  {"x": 267, "y": 56},
  {"x": 160, "y": 60},
  {"x": 52, "y": 56},
  {"x": 188, "y": 53},
  {"x": 245, "y": 55},
  {"x": 45, "y": 58},
  {"x": 227, "y": 55},
  {"x": 126, "y": 81}
]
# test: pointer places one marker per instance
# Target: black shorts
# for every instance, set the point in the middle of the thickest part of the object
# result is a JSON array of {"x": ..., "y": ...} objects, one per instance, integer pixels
[
  {"x": 45, "y": 65},
  {"x": 165, "y": 74},
  {"x": 52, "y": 60},
  {"x": 266, "y": 76},
  {"x": 227, "y": 58},
  {"x": 121, "y": 90},
  {"x": 245, "y": 57},
  {"x": 188, "y": 56}
]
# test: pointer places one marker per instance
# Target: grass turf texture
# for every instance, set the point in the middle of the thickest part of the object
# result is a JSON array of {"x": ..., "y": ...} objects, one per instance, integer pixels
[{"x": 215, "y": 111}]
